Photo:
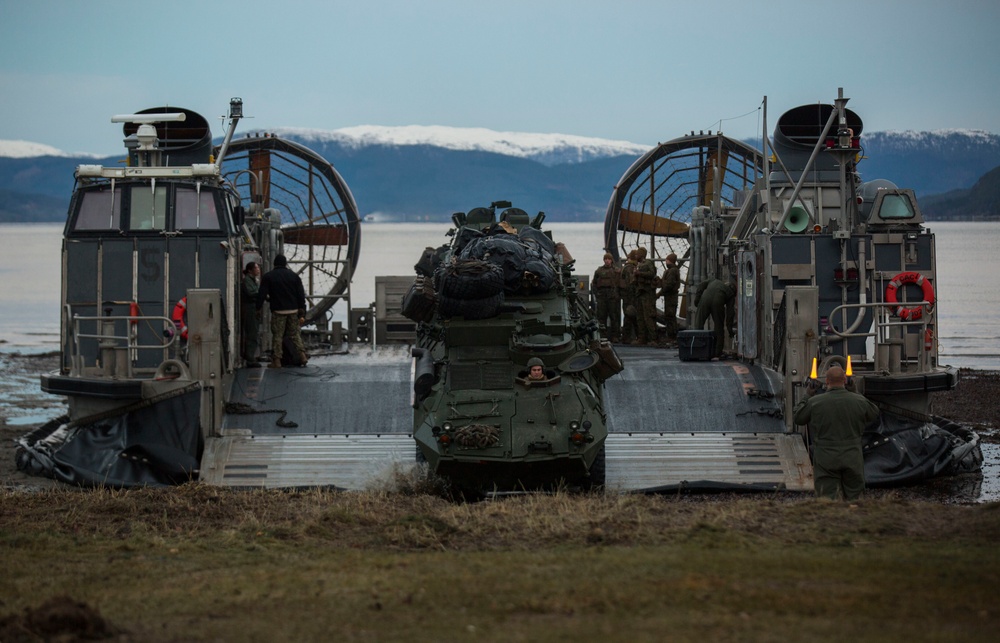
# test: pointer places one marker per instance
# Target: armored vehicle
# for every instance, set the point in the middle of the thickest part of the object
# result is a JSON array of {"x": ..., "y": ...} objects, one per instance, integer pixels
[{"x": 497, "y": 300}]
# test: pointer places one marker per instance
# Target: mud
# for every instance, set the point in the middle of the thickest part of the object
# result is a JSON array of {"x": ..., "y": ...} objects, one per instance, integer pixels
[
  {"x": 60, "y": 618},
  {"x": 23, "y": 407}
]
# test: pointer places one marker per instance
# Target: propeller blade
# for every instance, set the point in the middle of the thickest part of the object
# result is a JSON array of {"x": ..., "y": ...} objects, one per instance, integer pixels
[
  {"x": 317, "y": 235},
  {"x": 643, "y": 223}
]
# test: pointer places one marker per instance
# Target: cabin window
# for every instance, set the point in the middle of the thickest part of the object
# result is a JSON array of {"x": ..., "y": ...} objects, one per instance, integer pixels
[
  {"x": 99, "y": 210},
  {"x": 148, "y": 208},
  {"x": 895, "y": 206},
  {"x": 195, "y": 210}
]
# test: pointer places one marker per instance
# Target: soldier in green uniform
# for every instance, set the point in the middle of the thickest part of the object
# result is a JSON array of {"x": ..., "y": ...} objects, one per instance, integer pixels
[
  {"x": 607, "y": 280},
  {"x": 670, "y": 285},
  {"x": 627, "y": 290},
  {"x": 714, "y": 299},
  {"x": 249, "y": 316},
  {"x": 836, "y": 420},
  {"x": 645, "y": 289},
  {"x": 536, "y": 369}
]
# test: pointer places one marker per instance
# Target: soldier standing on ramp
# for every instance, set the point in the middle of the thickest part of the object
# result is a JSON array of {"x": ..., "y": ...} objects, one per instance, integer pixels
[
  {"x": 609, "y": 308},
  {"x": 630, "y": 332},
  {"x": 670, "y": 285},
  {"x": 645, "y": 287},
  {"x": 283, "y": 288},
  {"x": 249, "y": 313}
]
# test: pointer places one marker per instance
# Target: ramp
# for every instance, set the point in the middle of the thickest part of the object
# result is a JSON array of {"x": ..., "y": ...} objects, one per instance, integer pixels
[
  {"x": 674, "y": 426},
  {"x": 698, "y": 425},
  {"x": 347, "y": 462},
  {"x": 342, "y": 421},
  {"x": 654, "y": 462}
]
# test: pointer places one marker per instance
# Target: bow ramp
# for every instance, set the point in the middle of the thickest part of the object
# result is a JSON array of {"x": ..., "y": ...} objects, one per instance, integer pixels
[
  {"x": 344, "y": 421},
  {"x": 699, "y": 425}
]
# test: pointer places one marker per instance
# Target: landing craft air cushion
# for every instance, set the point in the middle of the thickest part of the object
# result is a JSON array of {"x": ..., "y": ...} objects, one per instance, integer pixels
[
  {"x": 820, "y": 276},
  {"x": 828, "y": 268}
]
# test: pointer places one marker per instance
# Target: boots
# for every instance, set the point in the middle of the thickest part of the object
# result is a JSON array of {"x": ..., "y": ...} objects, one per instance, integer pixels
[
  {"x": 275, "y": 363},
  {"x": 303, "y": 359}
]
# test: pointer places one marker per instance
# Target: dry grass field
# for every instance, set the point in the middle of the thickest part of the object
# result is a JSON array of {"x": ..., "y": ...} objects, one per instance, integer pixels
[{"x": 197, "y": 563}]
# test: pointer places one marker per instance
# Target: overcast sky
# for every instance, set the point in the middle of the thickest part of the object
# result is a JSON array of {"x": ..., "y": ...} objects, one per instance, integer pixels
[{"x": 635, "y": 70}]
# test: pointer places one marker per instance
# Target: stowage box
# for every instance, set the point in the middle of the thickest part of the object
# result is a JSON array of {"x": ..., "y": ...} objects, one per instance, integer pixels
[{"x": 695, "y": 345}]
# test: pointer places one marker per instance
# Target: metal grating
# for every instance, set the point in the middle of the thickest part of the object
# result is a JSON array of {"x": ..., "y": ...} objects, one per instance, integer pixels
[
  {"x": 350, "y": 462},
  {"x": 637, "y": 461},
  {"x": 489, "y": 376}
]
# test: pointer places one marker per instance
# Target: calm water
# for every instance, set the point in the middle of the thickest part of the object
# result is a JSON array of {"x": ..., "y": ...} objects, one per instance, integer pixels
[{"x": 969, "y": 301}]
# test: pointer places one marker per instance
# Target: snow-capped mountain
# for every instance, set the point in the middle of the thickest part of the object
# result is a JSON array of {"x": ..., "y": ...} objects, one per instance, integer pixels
[
  {"x": 27, "y": 149},
  {"x": 427, "y": 172},
  {"x": 899, "y": 140},
  {"x": 548, "y": 149}
]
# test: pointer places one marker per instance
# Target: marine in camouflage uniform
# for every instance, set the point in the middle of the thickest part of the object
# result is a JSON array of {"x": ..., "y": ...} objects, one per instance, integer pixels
[
  {"x": 836, "y": 420},
  {"x": 645, "y": 287},
  {"x": 714, "y": 299},
  {"x": 249, "y": 319},
  {"x": 670, "y": 285},
  {"x": 630, "y": 330},
  {"x": 607, "y": 280}
]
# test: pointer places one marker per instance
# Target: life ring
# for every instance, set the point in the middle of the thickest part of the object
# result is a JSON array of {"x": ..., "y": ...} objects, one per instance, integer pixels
[
  {"x": 903, "y": 278},
  {"x": 179, "y": 317}
]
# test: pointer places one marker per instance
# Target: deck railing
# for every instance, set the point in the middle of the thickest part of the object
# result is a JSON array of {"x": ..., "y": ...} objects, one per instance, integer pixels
[
  {"x": 117, "y": 353},
  {"x": 894, "y": 349}
]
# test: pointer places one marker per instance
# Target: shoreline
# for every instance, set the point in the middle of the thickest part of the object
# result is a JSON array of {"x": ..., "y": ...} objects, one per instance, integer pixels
[{"x": 24, "y": 408}]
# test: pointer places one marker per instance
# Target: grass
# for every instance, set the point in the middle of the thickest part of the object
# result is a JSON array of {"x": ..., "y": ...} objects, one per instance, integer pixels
[{"x": 197, "y": 563}]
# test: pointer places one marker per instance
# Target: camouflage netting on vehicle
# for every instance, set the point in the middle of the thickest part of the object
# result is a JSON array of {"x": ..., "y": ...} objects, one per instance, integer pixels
[{"x": 478, "y": 436}]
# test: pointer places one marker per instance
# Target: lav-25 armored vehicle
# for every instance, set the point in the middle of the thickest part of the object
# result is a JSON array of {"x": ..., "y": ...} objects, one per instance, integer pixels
[{"x": 498, "y": 297}]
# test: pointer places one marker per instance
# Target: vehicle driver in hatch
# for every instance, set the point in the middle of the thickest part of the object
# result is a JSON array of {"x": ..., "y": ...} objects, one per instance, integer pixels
[{"x": 536, "y": 370}]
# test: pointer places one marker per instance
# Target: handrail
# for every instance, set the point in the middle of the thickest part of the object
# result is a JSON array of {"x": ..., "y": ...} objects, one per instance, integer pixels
[
  {"x": 128, "y": 340},
  {"x": 922, "y": 321},
  {"x": 883, "y": 342},
  {"x": 130, "y": 318}
]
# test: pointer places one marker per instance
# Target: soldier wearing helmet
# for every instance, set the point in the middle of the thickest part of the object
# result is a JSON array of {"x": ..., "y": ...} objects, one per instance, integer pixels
[
  {"x": 607, "y": 280},
  {"x": 670, "y": 285},
  {"x": 645, "y": 301},
  {"x": 630, "y": 330},
  {"x": 536, "y": 369}
]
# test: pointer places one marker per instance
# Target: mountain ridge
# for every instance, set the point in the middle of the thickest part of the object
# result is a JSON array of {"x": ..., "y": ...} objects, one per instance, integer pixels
[{"x": 428, "y": 172}]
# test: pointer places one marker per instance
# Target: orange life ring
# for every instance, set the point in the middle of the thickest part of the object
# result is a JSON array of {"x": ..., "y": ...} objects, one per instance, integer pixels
[
  {"x": 179, "y": 317},
  {"x": 903, "y": 278}
]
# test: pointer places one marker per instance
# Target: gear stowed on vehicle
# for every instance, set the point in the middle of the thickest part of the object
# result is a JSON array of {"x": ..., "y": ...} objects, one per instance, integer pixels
[{"x": 504, "y": 299}]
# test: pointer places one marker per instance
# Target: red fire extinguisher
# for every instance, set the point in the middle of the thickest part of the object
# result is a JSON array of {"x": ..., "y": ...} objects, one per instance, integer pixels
[{"x": 928, "y": 340}]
